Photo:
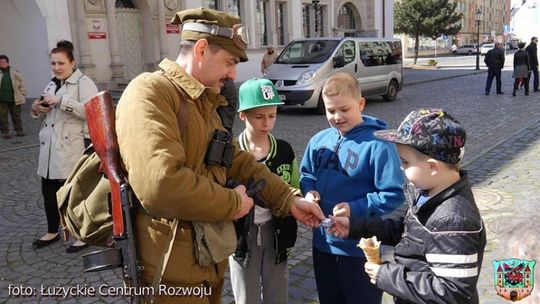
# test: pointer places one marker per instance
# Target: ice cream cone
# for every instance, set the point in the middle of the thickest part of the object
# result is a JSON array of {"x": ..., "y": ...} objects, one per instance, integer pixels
[{"x": 371, "y": 248}]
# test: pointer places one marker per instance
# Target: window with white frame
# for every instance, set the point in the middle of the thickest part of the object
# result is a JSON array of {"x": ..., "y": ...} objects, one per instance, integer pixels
[
  {"x": 281, "y": 23},
  {"x": 309, "y": 18},
  {"x": 322, "y": 17},
  {"x": 213, "y": 4},
  {"x": 346, "y": 18},
  {"x": 233, "y": 7},
  {"x": 306, "y": 20},
  {"x": 230, "y": 6},
  {"x": 262, "y": 22}
]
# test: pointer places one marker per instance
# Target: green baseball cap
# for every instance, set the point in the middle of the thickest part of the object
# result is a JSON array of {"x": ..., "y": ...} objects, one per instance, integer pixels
[{"x": 256, "y": 93}]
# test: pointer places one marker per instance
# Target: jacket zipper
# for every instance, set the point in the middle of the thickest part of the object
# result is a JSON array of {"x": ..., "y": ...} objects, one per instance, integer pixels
[{"x": 340, "y": 140}]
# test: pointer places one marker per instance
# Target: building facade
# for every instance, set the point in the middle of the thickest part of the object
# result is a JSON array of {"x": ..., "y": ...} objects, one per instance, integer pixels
[
  {"x": 495, "y": 15},
  {"x": 115, "y": 40}
]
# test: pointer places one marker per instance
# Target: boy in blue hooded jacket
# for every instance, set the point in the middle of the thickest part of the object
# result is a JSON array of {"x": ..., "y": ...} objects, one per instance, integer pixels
[{"x": 353, "y": 174}]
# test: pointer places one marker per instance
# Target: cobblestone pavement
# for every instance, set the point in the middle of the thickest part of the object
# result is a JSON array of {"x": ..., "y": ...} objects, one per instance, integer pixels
[{"x": 502, "y": 157}]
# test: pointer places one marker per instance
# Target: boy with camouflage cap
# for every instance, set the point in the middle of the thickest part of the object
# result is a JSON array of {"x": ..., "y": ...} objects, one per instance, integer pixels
[
  {"x": 439, "y": 256},
  {"x": 260, "y": 259}
]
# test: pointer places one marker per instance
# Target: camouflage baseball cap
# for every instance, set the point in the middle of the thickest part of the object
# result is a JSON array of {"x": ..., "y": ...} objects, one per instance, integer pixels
[
  {"x": 256, "y": 93},
  {"x": 217, "y": 27},
  {"x": 432, "y": 132}
]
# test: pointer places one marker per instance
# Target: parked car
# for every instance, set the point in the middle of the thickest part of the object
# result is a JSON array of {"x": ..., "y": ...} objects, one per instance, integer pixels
[
  {"x": 485, "y": 48},
  {"x": 511, "y": 46},
  {"x": 303, "y": 67},
  {"x": 466, "y": 49}
]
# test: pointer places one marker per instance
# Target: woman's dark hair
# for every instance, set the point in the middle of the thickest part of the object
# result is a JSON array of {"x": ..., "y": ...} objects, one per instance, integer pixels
[
  {"x": 5, "y": 58},
  {"x": 64, "y": 46},
  {"x": 521, "y": 45}
]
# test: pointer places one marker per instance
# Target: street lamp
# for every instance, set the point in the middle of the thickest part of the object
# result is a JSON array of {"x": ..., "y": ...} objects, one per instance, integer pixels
[
  {"x": 478, "y": 19},
  {"x": 316, "y": 8}
]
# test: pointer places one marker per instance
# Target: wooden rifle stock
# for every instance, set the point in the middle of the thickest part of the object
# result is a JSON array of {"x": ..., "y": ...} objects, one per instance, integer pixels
[
  {"x": 100, "y": 115},
  {"x": 101, "y": 125}
]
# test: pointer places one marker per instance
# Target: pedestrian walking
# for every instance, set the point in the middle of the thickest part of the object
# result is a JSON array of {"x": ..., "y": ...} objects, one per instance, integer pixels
[
  {"x": 179, "y": 176},
  {"x": 441, "y": 240},
  {"x": 521, "y": 69},
  {"x": 495, "y": 62},
  {"x": 228, "y": 112},
  {"x": 259, "y": 265},
  {"x": 12, "y": 97},
  {"x": 350, "y": 173},
  {"x": 454, "y": 49},
  {"x": 532, "y": 50},
  {"x": 63, "y": 136},
  {"x": 268, "y": 59}
]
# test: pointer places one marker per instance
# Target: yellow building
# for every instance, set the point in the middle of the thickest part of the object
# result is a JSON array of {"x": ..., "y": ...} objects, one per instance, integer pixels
[{"x": 494, "y": 15}]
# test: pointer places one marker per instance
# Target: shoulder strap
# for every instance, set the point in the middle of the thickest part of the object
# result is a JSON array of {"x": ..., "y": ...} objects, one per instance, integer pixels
[{"x": 182, "y": 117}]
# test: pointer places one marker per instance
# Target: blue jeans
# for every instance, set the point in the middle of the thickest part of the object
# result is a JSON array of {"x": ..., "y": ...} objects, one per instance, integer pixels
[
  {"x": 342, "y": 280},
  {"x": 494, "y": 72}
]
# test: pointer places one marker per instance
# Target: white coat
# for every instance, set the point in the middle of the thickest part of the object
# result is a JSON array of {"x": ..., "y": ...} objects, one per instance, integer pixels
[{"x": 63, "y": 129}]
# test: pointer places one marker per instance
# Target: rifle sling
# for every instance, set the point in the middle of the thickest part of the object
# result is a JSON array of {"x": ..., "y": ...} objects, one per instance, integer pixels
[{"x": 182, "y": 117}]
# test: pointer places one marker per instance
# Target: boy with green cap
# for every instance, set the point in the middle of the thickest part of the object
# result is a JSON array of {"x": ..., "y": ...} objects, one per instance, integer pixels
[{"x": 260, "y": 259}]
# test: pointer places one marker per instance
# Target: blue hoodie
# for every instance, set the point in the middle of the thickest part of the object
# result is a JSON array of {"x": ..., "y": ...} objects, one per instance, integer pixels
[{"x": 356, "y": 168}]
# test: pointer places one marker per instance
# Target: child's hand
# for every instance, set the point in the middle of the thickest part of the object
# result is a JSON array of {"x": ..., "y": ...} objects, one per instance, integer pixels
[
  {"x": 372, "y": 270},
  {"x": 313, "y": 196},
  {"x": 342, "y": 209},
  {"x": 340, "y": 227}
]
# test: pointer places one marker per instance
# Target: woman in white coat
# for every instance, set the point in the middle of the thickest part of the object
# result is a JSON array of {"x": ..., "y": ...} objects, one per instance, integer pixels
[{"x": 63, "y": 135}]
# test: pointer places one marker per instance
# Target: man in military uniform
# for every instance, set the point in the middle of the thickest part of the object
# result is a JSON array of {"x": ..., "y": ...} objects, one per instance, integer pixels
[{"x": 167, "y": 168}]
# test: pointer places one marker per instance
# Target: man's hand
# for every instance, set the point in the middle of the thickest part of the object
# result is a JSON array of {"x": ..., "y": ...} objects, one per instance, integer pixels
[
  {"x": 342, "y": 209},
  {"x": 372, "y": 270},
  {"x": 247, "y": 202},
  {"x": 340, "y": 227},
  {"x": 307, "y": 212}
]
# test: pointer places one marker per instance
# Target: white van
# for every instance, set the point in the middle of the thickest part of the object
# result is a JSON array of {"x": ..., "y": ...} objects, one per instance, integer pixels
[{"x": 302, "y": 68}]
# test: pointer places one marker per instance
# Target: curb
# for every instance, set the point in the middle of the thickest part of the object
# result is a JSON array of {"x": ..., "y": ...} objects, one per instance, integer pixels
[
  {"x": 445, "y": 78},
  {"x": 499, "y": 142}
]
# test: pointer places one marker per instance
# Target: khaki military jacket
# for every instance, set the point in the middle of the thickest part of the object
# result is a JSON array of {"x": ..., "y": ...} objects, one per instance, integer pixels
[
  {"x": 19, "y": 88},
  {"x": 168, "y": 174}
]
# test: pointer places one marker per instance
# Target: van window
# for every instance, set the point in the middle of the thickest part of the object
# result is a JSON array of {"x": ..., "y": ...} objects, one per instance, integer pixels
[
  {"x": 307, "y": 51},
  {"x": 348, "y": 51},
  {"x": 380, "y": 53}
]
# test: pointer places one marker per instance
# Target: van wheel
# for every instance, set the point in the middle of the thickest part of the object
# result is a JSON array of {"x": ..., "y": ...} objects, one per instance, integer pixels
[
  {"x": 321, "y": 109},
  {"x": 469, "y": 52},
  {"x": 392, "y": 91}
]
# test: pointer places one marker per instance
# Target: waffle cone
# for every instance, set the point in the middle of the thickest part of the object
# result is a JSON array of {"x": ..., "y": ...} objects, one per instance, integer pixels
[{"x": 371, "y": 248}]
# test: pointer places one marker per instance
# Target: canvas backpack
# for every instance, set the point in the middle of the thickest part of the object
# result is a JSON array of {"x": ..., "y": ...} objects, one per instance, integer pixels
[{"x": 83, "y": 200}]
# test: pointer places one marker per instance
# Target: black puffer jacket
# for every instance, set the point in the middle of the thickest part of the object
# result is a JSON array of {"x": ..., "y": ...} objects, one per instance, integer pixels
[{"x": 440, "y": 249}]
